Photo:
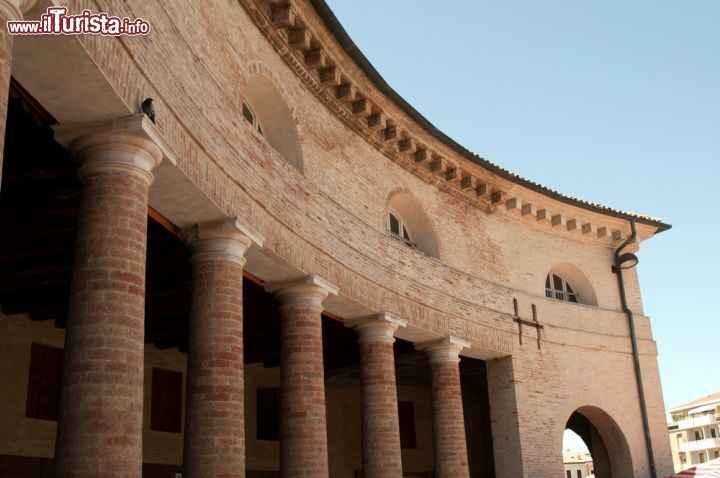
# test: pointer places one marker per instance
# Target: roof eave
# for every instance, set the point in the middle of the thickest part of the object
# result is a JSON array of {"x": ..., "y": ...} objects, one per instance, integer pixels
[{"x": 341, "y": 36}]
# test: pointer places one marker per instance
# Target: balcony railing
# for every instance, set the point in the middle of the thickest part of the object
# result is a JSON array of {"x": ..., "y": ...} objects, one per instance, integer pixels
[
  {"x": 697, "y": 421},
  {"x": 404, "y": 240},
  {"x": 699, "y": 445}
]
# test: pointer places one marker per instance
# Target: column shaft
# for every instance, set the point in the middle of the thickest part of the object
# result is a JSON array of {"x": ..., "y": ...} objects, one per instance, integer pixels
[
  {"x": 381, "y": 430},
  {"x": 448, "y": 422},
  {"x": 303, "y": 429},
  {"x": 6, "y": 42},
  {"x": 382, "y": 456},
  {"x": 9, "y": 10},
  {"x": 100, "y": 416},
  {"x": 215, "y": 422},
  {"x": 214, "y": 444},
  {"x": 451, "y": 459}
]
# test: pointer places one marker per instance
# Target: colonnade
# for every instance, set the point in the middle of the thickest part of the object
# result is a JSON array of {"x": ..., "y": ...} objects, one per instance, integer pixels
[{"x": 100, "y": 424}]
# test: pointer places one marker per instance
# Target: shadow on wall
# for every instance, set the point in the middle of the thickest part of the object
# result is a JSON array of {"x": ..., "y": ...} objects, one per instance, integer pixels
[
  {"x": 273, "y": 119},
  {"x": 413, "y": 218}
]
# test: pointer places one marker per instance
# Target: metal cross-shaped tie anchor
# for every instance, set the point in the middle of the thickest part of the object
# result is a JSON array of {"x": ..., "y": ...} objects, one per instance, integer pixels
[{"x": 530, "y": 323}]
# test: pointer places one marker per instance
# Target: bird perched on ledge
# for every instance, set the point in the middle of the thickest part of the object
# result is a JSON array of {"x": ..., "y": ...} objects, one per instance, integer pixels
[{"x": 148, "y": 109}]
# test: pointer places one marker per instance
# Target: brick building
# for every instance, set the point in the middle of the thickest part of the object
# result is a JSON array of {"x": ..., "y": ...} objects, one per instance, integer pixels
[
  {"x": 291, "y": 272},
  {"x": 578, "y": 464}
]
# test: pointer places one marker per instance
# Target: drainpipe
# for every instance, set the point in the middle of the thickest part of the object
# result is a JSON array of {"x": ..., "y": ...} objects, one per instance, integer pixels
[{"x": 633, "y": 340}]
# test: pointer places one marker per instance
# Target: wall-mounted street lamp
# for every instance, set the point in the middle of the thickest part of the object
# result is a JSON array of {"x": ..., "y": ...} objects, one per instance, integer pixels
[{"x": 625, "y": 261}]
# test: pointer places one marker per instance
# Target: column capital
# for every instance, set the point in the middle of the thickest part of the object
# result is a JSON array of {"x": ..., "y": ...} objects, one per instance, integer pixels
[
  {"x": 310, "y": 290},
  {"x": 12, "y": 10},
  {"x": 444, "y": 350},
  {"x": 129, "y": 144},
  {"x": 376, "y": 328},
  {"x": 221, "y": 240}
]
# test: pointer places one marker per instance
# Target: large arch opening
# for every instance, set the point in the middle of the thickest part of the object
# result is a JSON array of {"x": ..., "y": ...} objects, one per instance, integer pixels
[
  {"x": 408, "y": 223},
  {"x": 595, "y": 446},
  {"x": 268, "y": 114}
]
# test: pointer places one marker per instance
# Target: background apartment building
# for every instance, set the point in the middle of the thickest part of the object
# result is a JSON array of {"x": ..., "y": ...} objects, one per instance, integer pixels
[
  {"x": 695, "y": 431},
  {"x": 578, "y": 464}
]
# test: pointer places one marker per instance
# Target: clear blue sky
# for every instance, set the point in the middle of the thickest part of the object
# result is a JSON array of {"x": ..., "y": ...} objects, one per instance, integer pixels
[{"x": 616, "y": 102}]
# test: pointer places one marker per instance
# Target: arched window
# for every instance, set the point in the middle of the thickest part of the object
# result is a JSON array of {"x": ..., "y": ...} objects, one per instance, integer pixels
[
  {"x": 398, "y": 230},
  {"x": 264, "y": 108},
  {"x": 565, "y": 281},
  {"x": 556, "y": 287},
  {"x": 408, "y": 223}
]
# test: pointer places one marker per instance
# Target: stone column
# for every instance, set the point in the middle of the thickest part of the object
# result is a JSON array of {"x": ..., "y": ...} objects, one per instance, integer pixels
[
  {"x": 10, "y": 10},
  {"x": 214, "y": 444},
  {"x": 382, "y": 457},
  {"x": 451, "y": 459},
  {"x": 303, "y": 430},
  {"x": 101, "y": 404}
]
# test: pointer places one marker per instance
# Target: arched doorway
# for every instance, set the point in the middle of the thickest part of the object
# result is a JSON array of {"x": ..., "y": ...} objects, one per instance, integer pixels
[{"x": 605, "y": 442}]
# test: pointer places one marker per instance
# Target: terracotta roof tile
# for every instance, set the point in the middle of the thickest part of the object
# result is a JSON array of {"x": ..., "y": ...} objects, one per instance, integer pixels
[{"x": 713, "y": 397}]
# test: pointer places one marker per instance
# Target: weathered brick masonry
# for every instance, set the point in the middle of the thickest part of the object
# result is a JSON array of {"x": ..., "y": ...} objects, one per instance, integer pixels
[
  {"x": 100, "y": 417},
  {"x": 301, "y": 206},
  {"x": 215, "y": 424},
  {"x": 380, "y": 427}
]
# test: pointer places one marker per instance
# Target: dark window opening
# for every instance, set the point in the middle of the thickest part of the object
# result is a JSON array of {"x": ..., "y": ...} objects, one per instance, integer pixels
[
  {"x": 43, "y": 392},
  {"x": 248, "y": 114},
  {"x": 166, "y": 402},
  {"x": 251, "y": 118},
  {"x": 398, "y": 230},
  {"x": 268, "y": 405},
  {"x": 406, "y": 412}
]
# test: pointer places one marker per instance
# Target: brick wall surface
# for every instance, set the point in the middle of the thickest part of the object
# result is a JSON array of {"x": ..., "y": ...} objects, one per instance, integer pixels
[{"x": 332, "y": 220}]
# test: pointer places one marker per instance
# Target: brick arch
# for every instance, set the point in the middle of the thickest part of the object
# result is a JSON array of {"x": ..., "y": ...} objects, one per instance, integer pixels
[
  {"x": 411, "y": 210},
  {"x": 394, "y": 192},
  {"x": 269, "y": 101},
  {"x": 604, "y": 438},
  {"x": 259, "y": 68}
]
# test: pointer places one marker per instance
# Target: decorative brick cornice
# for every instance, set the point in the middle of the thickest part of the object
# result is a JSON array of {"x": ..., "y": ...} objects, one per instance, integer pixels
[{"x": 287, "y": 28}]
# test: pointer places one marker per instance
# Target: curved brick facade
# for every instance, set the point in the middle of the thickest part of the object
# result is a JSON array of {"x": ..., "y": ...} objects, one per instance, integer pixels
[{"x": 497, "y": 237}]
